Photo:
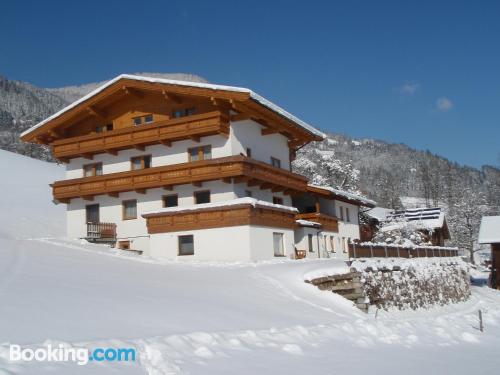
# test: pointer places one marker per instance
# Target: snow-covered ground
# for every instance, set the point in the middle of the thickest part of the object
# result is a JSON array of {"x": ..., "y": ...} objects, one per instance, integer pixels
[{"x": 205, "y": 318}]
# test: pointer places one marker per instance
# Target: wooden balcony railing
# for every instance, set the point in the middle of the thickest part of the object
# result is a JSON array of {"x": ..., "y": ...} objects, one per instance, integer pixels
[
  {"x": 393, "y": 251},
  {"x": 219, "y": 217},
  {"x": 165, "y": 131},
  {"x": 328, "y": 223},
  {"x": 245, "y": 169},
  {"x": 101, "y": 231}
]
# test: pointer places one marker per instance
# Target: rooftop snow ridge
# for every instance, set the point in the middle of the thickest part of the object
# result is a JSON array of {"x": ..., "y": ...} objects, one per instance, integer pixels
[
  {"x": 267, "y": 103},
  {"x": 346, "y": 194}
]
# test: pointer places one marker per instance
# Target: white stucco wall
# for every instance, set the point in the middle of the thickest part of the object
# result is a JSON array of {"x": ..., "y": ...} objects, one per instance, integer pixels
[
  {"x": 247, "y": 133},
  {"x": 239, "y": 243},
  {"x": 135, "y": 230}
]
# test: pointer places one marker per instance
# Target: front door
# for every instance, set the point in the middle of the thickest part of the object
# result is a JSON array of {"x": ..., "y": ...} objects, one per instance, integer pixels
[
  {"x": 278, "y": 245},
  {"x": 92, "y": 213}
]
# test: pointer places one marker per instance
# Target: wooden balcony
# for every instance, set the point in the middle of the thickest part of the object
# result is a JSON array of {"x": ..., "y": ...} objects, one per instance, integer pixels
[
  {"x": 328, "y": 223},
  {"x": 219, "y": 217},
  {"x": 241, "y": 168},
  {"x": 101, "y": 232},
  {"x": 160, "y": 132}
]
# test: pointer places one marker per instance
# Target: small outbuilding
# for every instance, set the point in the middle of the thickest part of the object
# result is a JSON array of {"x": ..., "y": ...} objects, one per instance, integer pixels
[{"x": 489, "y": 233}]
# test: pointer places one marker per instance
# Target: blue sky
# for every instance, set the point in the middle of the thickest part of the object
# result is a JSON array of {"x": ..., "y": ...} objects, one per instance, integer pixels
[{"x": 425, "y": 73}]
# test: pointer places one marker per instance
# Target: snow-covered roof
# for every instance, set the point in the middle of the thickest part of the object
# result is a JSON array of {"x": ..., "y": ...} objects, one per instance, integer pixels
[
  {"x": 418, "y": 218},
  {"x": 263, "y": 101},
  {"x": 346, "y": 195},
  {"x": 233, "y": 202},
  {"x": 307, "y": 223},
  {"x": 489, "y": 231},
  {"x": 379, "y": 213}
]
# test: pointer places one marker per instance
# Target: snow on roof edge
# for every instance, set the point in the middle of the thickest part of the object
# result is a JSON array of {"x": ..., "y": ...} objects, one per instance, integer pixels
[
  {"x": 346, "y": 194},
  {"x": 489, "y": 231},
  {"x": 311, "y": 129}
]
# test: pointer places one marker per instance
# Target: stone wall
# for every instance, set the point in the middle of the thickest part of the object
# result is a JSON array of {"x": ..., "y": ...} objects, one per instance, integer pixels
[
  {"x": 400, "y": 283},
  {"x": 413, "y": 283}
]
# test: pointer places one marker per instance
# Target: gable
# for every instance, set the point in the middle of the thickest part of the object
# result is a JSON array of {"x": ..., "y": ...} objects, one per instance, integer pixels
[{"x": 126, "y": 94}]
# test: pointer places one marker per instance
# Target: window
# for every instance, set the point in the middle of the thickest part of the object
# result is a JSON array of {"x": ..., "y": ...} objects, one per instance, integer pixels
[
  {"x": 92, "y": 213},
  {"x": 104, "y": 128},
  {"x": 146, "y": 119},
  {"x": 140, "y": 162},
  {"x": 343, "y": 244},
  {"x": 277, "y": 200},
  {"x": 186, "y": 245},
  {"x": 90, "y": 170},
  {"x": 278, "y": 247},
  {"x": 200, "y": 153},
  {"x": 341, "y": 209},
  {"x": 275, "y": 162},
  {"x": 170, "y": 200},
  {"x": 201, "y": 197},
  {"x": 249, "y": 152},
  {"x": 347, "y": 216},
  {"x": 129, "y": 209},
  {"x": 184, "y": 112},
  {"x": 310, "y": 243},
  {"x": 248, "y": 193},
  {"x": 332, "y": 244}
]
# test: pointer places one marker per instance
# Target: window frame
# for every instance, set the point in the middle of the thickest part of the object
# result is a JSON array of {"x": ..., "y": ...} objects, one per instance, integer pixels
[
  {"x": 143, "y": 163},
  {"x": 202, "y": 191},
  {"x": 277, "y": 200},
  {"x": 200, "y": 151},
  {"x": 275, "y": 162},
  {"x": 179, "y": 251},
  {"x": 94, "y": 169},
  {"x": 163, "y": 200},
  {"x": 124, "y": 217}
]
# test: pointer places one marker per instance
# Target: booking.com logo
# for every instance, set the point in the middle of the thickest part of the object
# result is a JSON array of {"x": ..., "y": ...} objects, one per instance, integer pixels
[{"x": 62, "y": 353}]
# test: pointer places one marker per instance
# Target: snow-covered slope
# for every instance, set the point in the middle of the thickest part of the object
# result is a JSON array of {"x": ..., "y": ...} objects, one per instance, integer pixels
[{"x": 204, "y": 318}]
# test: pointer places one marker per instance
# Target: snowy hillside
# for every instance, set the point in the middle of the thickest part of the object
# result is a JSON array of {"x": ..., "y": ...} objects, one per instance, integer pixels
[{"x": 205, "y": 318}]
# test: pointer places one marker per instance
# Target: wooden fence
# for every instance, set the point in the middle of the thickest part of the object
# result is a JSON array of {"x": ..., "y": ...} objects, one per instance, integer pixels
[{"x": 394, "y": 251}]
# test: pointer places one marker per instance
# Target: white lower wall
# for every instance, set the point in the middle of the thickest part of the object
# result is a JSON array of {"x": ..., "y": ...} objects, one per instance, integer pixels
[
  {"x": 321, "y": 240},
  {"x": 239, "y": 243},
  {"x": 110, "y": 210}
]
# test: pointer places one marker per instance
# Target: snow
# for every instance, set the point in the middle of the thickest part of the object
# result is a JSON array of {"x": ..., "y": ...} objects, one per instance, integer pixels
[
  {"x": 307, "y": 223},
  {"x": 379, "y": 213},
  {"x": 233, "y": 202},
  {"x": 210, "y": 86},
  {"x": 205, "y": 318},
  {"x": 347, "y": 195},
  {"x": 489, "y": 231}
]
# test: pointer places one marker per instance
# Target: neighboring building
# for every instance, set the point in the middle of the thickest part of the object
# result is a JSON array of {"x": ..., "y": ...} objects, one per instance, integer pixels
[
  {"x": 179, "y": 169},
  {"x": 489, "y": 233},
  {"x": 429, "y": 222}
]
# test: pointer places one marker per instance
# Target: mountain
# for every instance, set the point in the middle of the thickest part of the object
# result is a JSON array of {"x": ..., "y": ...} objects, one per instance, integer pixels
[{"x": 22, "y": 105}]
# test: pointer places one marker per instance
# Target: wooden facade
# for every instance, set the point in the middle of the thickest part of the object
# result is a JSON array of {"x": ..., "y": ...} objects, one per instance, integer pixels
[
  {"x": 158, "y": 132},
  {"x": 328, "y": 223},
  {"x": 219, "y": 217},
  {"x": 241, "y": 168},
  {"x": 126, "y": 98}
]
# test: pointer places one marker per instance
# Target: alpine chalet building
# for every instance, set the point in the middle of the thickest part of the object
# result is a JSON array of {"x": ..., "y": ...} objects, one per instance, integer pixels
[{"x": 188, "y": 170}]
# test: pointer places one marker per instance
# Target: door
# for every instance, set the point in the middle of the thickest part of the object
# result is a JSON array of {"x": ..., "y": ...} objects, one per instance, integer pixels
[
  {"x": 92, "y": 213},
  {"x": 279, "y": 250}
]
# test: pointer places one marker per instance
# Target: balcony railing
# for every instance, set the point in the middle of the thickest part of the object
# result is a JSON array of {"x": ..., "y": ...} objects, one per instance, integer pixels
[
  {"x": 328, "y": 223},
  {"x": 165, "y": 131},
  {"x": 240, "y": 167},
  {"x": 101, "y": 232}
]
